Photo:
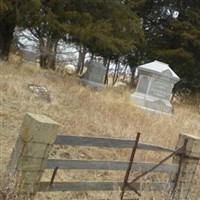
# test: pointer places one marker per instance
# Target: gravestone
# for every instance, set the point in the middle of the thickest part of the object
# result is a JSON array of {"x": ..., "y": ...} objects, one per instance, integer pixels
[
  {"x": 94, "y": 76},
  {"x": 40, "y": 92},
  {"x": 29, "y": 55},
  {"x": 154, "y": 88}
]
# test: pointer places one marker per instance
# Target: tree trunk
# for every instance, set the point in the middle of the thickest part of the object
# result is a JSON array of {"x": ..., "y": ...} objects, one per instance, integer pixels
[
  {"x": 52, "y": 52},
  {"x": 124, "y": 72},
  {"x": 116, "y": 73},
  {"x": 43, "y": 61},
  {"x": 106, "y": 63},
  {"x": 6, "y": 36},
  {"x": 81, "y": 59},
  {"x": 48, "y": 53},
  {"x": 43, "y": 55},
  {"x": 132, "y": 83}
]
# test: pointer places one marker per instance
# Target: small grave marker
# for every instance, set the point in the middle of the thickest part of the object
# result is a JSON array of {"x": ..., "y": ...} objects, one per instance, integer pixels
[{"x": 94, "y": 75}]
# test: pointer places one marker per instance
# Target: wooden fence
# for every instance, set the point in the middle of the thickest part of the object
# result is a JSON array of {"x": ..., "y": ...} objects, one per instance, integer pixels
[
  {"x": 39, "y": 134},
  {"x": 104, "y": 165}
]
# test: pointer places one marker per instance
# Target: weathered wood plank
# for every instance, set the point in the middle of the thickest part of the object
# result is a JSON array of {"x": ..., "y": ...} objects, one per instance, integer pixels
[
  {"x": 101, "y": 186},
  {"x": 109, "y": 165},
  {"x": 106, "y": 142}
]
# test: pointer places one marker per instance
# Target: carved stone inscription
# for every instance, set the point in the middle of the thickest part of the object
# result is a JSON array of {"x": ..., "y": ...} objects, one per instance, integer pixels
[
  {"x": 95, "y": 72},
  {"x": 97, "y": 75},
  {"x": 160, "y": 89},
  {"x": 158, "y": 105}
]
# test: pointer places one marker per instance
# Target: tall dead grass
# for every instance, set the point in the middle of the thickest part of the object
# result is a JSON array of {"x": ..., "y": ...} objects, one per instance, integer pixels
[{"x": 82, "y": 111}]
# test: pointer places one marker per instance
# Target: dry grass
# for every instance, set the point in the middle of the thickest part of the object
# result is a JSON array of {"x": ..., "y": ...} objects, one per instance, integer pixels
[{"x": 81, "y": 111}]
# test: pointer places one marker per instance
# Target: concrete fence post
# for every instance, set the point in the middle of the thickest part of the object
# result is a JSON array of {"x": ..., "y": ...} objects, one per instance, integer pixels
[
  {"x": 29, "y": 157},
  {"x": 185, "y": 177}
]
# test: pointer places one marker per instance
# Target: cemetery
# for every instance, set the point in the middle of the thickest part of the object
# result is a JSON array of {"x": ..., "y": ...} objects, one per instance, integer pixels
[
  {"x": 97, "y": 130},
  {"x": 99, "y": 100}
]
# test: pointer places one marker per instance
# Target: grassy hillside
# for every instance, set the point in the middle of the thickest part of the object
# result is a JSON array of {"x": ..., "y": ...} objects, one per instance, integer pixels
[{"x": 81, "y": 111}]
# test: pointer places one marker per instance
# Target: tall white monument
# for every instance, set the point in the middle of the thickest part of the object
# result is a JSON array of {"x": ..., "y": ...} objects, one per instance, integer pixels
[{"x": 154, "y": 88}]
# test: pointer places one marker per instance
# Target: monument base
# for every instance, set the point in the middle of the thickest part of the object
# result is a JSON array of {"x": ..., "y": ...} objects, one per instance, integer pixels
[
  {"x": 152, "y": 103},
  {"x": 91, "y": 84}
]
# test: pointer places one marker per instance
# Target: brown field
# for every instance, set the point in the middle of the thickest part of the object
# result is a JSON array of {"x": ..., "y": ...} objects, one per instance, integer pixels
[{"x": 81, "y": 111}]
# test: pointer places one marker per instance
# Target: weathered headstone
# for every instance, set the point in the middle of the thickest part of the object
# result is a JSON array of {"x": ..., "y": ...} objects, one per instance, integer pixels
[
  {"x": 153, "y": 92},
  {"x": 29, "y": 56},
  {"x": 94, "y": 76},
  {"x": 40, "y": 92}
]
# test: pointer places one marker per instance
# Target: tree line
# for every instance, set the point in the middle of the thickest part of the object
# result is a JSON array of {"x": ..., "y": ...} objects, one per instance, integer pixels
[{"x": 128, "y": 32}]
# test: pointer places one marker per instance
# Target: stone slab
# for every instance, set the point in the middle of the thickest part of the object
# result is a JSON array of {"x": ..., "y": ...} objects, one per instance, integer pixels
[
  {"x": 159, "y": 68},
  {"x": 94, "y": 76},
  {"x": 91, "y": 84}
]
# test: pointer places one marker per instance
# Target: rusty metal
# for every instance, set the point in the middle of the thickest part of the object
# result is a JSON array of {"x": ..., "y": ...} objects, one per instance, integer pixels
[
  {"x": 53, "y": 176},
  {"x": 178, "y": 151},
  {"x": 134, "y": 189},
  {"x": 129, "y": 168},
  {"x": 180, "y": 165}
]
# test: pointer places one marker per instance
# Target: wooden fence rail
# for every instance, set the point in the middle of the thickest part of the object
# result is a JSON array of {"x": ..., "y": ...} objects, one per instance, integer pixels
[
  {"x": 39, "y": 133},
  {"x": 102, "y": 186},
  {"x": 106, "y": 142},
  {"x": 109, "y": 165}
]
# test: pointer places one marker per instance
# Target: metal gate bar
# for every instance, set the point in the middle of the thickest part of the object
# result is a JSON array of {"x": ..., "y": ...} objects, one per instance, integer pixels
[
  {"x": 125, "y": 184},
  {"x": 180, "y": 151},
  {"x": 180, "y": 164}
]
